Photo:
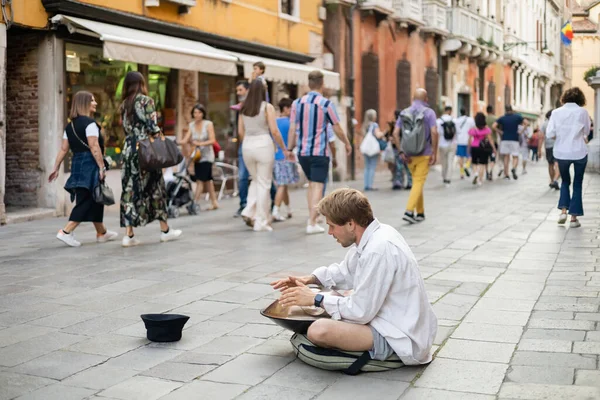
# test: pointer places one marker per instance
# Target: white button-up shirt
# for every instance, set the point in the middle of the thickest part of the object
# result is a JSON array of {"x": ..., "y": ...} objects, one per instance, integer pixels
[
  {"x": 569, "y": 124},
  {"x": 388, "y": 293}
]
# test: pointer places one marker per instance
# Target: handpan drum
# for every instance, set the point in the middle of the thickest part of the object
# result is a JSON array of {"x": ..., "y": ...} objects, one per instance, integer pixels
[{"x": 295, "y": 318}]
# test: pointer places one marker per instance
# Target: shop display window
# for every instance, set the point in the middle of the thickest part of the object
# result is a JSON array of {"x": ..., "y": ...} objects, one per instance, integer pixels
[{"x": 87, "y": 69}]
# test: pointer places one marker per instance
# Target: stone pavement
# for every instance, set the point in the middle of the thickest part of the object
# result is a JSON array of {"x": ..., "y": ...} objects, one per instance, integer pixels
[{"x": 515, "y": 294}]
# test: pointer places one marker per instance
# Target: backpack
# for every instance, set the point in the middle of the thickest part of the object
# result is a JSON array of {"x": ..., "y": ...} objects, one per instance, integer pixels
[
  {"x": 449, "y": 129},
  {"x": 349, "y": 362},
  {"x": 414, "y": 138}
]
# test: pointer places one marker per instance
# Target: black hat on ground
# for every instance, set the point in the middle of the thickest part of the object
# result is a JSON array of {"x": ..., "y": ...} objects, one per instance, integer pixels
[{"x": 164, "y": 327}]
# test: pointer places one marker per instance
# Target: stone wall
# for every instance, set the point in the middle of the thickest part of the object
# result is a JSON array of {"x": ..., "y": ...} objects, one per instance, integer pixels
[{"x": 22, "y": 130}]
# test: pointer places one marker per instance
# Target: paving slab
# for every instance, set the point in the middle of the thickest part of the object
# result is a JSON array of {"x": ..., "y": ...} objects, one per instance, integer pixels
[
  {"x": 463, "y": 376},
  {"x": 363, "y": 387},
  {"x": 141, "y": 388},
  {"x": 533, "y": 391}
]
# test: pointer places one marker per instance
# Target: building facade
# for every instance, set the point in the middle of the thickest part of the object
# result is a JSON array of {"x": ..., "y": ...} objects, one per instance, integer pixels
[
  {"x": 586, "y": 42},
  {"x": 189, "y": 51}
]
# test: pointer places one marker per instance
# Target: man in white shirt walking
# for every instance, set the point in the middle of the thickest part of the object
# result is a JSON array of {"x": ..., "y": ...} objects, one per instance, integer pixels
[
  {"x": 447, "y": 144},
  {"x": 388, "y": 311}
]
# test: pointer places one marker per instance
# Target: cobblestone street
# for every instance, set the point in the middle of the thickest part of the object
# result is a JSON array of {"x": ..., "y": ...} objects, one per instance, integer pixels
[{"x": 516, "y": 296}]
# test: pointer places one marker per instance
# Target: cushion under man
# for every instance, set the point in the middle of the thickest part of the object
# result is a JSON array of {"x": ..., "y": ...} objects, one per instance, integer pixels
[{"x": 388, "y": 311}]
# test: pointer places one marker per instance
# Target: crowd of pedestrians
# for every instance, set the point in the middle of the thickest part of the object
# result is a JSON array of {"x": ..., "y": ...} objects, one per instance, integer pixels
[{"x": 273, "y": 143}]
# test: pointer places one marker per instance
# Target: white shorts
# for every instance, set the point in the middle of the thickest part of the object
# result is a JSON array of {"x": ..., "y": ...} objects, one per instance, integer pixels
[{"x": 510, "y": 147}]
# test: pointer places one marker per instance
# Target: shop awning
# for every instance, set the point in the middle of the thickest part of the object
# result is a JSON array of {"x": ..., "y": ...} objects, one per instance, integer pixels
[
  {"x": 287, "y": 72},
  {"x": 126, "y": 44}
]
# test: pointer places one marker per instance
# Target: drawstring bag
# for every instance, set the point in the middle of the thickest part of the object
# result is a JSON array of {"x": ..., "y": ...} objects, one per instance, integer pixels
[{"x": 349, "y": 362}]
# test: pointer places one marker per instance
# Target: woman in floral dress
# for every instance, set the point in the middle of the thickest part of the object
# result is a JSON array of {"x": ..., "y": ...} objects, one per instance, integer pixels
[{"x": 144, "y": 197}]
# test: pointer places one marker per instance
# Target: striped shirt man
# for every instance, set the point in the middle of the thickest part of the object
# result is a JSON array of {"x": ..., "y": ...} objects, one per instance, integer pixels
[{"x": 312, "y": 114}]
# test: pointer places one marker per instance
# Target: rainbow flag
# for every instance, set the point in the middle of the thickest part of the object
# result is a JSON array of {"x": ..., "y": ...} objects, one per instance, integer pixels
[{"x": 566, "y": 33}]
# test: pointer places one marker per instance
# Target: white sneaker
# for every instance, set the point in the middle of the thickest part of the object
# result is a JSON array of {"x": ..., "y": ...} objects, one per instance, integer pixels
[
  {"x": 171, "y": 235},
  {"x": 130, "y": 242},
  {"x": 68, "y": 239},
  {"x": 264, "y": 228},
  {"x": 574, "y": 224},
  {"x": 562, "y": 219},
  {"x": 277, "y": 217},
  {"x": 314, "y": 229},
  {"x": 107, "y": 237}
]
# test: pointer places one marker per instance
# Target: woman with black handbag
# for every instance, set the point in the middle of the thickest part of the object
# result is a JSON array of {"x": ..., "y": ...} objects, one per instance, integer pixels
[
  {"x": 144, "y": 196},
  {"x": 481, "y": 146},
  {"x": 82, "y": 136}
]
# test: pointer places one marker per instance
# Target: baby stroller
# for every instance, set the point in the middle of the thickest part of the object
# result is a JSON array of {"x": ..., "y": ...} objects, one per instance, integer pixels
[{"x": 179, "y": 190}]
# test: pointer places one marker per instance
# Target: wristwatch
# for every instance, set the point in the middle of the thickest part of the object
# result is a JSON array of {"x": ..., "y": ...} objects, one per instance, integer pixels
[{"x": 318, "y": 300}]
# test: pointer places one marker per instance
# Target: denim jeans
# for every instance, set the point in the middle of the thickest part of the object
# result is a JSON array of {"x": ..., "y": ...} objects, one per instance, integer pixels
[
  {"x": 370, "y": 167},
  {"x": 244, "y": 182},
  {"x": 243, "y": 179},
  {"x": 573, "y": 204}
]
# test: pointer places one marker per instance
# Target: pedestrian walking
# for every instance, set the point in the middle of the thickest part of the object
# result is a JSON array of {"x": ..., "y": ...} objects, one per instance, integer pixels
[
  {"x": 490, "y": 119},
  {"x": 201, "y": 135},
  {"x": 533, "y": 144},
  {"x": 241, "y": 90},
  {"x": 525, "y": 132},
  {"x": 508, "y": 128},
  {"x": 258, "y": 72},
  {"x": 370, "y": 147},
  {"x": 464, "y": 124},
  {"x": 419, "y": 148},
  {"x": 257, "y": 129},
  {"x": 570, "y": 125},
  {"x": 402, "y": 176},
  {"x": 310, "y": 117},
  {"x": 481, "y": 147},
  {"x": 547, "y": 144},
  {"x": 144, "y": 196},
  {"x": 285, "y": 171},
  {"x": 83, "y": 137},
  {"x": 447, "y": 146}
]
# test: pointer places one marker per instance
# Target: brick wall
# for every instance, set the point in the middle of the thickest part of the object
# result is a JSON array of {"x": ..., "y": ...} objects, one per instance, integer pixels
[{"x": 22, "y": 140}]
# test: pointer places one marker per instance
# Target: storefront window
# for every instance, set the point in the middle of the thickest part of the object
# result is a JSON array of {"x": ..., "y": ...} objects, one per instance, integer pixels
[
  {"x": 87, "y": 69},
  {"x": 217, "y": 93}
]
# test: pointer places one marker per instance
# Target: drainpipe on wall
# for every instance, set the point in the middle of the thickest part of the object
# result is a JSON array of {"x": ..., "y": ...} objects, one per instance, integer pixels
[{"x": 351, "y": 80}]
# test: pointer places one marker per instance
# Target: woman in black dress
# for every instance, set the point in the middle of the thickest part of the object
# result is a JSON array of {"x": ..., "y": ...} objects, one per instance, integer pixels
[{"x": 82, "y": 136}]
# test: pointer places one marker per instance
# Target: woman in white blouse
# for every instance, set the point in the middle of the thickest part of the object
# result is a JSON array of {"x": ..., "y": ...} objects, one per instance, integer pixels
[{"x": 570, "y": 125}]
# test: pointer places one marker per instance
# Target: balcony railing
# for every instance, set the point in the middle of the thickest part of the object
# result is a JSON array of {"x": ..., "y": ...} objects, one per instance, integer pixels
[
  {"x": 466, "y": 24},
  {"x": 408, "y": 10},
  {"x": 380, "y": 6},
  {"x": 434, "y": 15},
  {"x": 532, "y": 57}
]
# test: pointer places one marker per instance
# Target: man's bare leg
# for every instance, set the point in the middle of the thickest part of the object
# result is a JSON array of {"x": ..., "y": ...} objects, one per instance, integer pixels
[
  {"x": 315, "y": 194},
  {"x": 506, "y": 162},
  {"x": 341, "y": 335}
]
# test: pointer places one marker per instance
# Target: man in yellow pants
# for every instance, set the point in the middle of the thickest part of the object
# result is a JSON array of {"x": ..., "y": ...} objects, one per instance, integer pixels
[{"x": 419, "y": 148}]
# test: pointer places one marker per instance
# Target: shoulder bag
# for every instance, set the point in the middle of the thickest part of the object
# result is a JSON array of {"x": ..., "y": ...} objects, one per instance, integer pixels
[
  {"x": 102, "y": 194},
  {"x": 370, "y": 145},
  {"x": 157, "y": 152}
]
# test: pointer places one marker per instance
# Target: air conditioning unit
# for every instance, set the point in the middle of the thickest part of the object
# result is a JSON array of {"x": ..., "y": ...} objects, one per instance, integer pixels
[
  {"x": 322, "y": 13},
  {"x": 152, "y": 3}
]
